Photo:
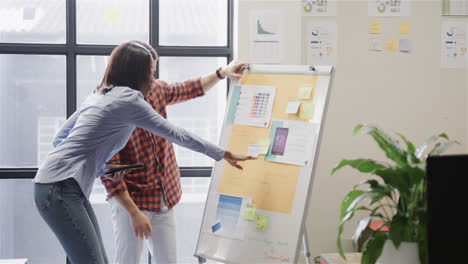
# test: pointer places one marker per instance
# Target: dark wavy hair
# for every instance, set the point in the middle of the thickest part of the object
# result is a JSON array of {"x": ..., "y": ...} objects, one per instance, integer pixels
[{"x": 130, "y": 65}]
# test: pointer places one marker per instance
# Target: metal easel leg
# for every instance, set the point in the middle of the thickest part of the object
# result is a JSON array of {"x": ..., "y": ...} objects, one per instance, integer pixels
[{"x": 305, "y": 241}]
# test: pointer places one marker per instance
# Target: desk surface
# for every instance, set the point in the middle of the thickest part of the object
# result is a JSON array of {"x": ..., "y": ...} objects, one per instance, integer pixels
[{"x": 335, "y": 258}]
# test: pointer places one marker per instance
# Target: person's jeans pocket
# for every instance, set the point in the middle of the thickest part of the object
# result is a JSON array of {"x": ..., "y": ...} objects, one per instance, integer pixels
[
  {"x": 43, "y": 195},
  {"x": 71, "y": 190}
]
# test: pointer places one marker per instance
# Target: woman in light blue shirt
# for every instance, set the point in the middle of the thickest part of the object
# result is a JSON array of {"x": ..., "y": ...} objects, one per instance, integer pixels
[{"x": 91, "y": 136}]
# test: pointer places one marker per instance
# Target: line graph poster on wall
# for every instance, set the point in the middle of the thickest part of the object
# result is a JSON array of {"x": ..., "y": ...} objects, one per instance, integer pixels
[
  {"x": 266, "y": 36},
  {"x": 388, "y": 8},
  {"x": 319, "y": 8},
  {"x": 322, "y": 43},
  {"x": 453, "y": 45}
]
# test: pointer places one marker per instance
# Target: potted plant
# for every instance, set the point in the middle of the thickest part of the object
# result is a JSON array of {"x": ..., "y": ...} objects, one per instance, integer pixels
[{"x": 398, "y": 199}]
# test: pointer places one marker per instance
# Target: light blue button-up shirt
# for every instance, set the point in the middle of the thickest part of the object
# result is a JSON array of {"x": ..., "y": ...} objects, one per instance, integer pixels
[{"x": 100, "y": 128}]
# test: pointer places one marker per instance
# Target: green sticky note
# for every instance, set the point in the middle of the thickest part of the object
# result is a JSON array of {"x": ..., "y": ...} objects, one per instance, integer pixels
[
  {"x": 264, "y": 144},
  {"x": 307, "y": 111},
  {"x": 249, "y": 211},
  {"x": 305, "y": 91},
  {"x": 112, "y": 16},
  {"x": 261, "y": 222}
]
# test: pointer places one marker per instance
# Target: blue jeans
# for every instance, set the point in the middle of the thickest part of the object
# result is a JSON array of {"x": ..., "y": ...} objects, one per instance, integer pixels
[{"x": 70, "y": 216}]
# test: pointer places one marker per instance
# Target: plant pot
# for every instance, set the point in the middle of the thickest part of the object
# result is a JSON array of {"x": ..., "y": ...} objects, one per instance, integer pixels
[{"x": 407, "y": 253}]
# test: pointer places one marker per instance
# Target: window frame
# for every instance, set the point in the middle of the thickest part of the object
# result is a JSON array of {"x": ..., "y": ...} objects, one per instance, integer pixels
[{"x": 71, "y": 50}]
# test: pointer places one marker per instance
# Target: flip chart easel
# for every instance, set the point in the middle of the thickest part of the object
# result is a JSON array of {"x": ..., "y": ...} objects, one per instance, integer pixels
[{"x": 280, "y": 191}]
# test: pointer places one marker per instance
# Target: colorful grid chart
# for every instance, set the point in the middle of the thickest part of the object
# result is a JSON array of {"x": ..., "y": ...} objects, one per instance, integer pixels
[{"x": 259, "y": 105}]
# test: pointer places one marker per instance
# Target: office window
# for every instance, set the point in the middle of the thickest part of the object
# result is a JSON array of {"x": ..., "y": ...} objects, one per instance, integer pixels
[
  {"x": 53, "y": 54},
  {"x": 111, "y": 21},
  {"x": 32, "y": 21},
  {"x": 89, "y": 73},
  {"x": 203, "y": 115},
  {"x": 32, "y": 107},
  {"x": 193, "y": 22}
]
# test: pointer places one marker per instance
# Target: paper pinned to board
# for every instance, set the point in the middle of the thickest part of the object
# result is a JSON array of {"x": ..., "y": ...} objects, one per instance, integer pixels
[
  {"x": 265, "y": 144},
  {"x": 261, "y": 223},
  {"x": 249, "y": 212},
  {"x": 376, "y": 44},
  {"x": 112, "y": 15},
  {"x": 375, "y": 27},
  {"x": 307, "y": 111},
  {"x": 405, "y": 45},
  {"x": 305, "y": 91},
  {"x": 293, "y": 106},
  {"x": 254, "y": 149},
  {"x": 391, "y": 44},
  {"x": 403, "y": 27}
]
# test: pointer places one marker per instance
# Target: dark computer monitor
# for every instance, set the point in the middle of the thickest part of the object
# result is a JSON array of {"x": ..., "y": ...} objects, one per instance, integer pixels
[{"x": 447, "y": 207}]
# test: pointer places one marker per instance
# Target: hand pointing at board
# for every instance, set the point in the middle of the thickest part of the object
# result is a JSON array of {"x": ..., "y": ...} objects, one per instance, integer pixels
[{"x": 233, "y": 158}]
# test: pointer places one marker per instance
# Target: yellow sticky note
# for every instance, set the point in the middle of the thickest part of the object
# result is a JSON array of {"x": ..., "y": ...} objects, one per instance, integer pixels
[
  {"x": 112, "y": 16},
  {"x": 307, "y": 111},
  {"x": 403, "y": 27},
  {"x": 261, "y": 222},
  {"x": 305, "y": 91},
  {"x": 264, "y": 145},
  {"x": 249, "y": 212},
  {"x": 375, "y": 27},
  {"x": 391, "y": 44}
]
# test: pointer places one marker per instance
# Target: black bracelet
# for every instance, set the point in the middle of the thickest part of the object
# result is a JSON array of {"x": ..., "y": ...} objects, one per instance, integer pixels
[{"x": 218, "y": 73}]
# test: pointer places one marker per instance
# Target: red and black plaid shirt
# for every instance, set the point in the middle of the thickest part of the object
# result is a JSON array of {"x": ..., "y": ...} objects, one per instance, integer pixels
[{"x": 161, "y": 173}]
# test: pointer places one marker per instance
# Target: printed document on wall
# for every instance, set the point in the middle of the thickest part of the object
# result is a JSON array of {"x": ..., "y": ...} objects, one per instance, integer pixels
[
  {"x": 322, "y": 43},
  {"x": 319, "y": 8},
  {"x": 388, "y": 8},
  {"x": 292, "y": 142},
  {"x": 455, "y": 7},
  {"x": 453, "y": 45},
  {"x": 266, "y": 36},
  {"x": 251, "y": 105}
]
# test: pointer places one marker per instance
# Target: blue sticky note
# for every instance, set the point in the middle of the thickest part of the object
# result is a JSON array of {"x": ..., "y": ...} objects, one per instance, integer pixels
[{"x": 216, "y": 227}]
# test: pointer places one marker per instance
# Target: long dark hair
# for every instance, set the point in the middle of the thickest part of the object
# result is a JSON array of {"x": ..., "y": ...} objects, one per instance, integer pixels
[{"x": 129, "y": 65}]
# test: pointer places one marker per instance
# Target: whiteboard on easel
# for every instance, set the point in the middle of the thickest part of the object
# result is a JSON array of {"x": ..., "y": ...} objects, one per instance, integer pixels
[{"x": 256, "y": 215}]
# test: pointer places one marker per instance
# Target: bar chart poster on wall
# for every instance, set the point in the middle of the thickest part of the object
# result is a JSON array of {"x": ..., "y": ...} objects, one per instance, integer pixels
[
  {"x": 322, "y": 43},
  {"x": 453, "y": 45},
  {"x": 319, "y": 8},
  {"x": 266, "y": 36},
  {"x": 388, "y": 8}
]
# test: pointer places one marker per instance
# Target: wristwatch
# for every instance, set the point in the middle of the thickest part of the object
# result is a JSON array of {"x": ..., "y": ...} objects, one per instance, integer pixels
[{"x": 218, "y": 73}]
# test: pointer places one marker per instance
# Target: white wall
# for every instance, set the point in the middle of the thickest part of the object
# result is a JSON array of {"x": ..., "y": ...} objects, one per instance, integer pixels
[{"x": 407, "y": 93}]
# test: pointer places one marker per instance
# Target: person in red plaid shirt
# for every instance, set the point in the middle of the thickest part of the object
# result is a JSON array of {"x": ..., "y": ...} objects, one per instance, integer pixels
[{"x": 141, "y": 203}]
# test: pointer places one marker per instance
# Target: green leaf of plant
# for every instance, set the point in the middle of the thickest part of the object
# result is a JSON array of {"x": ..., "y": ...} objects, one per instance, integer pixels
[
  {"x": 362, "y": 224},
  {"x": 349, "y": 198},
  {"x": 396, "y": 177},
  {"x": 411, "y": 149},
  {"x": 357, "y": 128},
  {"x": 338, "y": 241},
  {"x": 400, "y": 230},
  {"x": 410, "y": 146},
  {"x": 363, "y": 165},
  {"x": 345, "y": 216},
  {"x": 420, "y": 150},
  {"x": 389, "y": 145},
  {"x": 364, "y": 196},
  {"x": 372, "y": 249},
  {"x": 440, "y": 148}
]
